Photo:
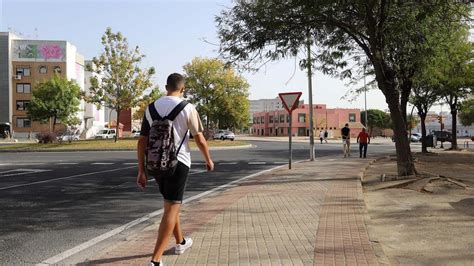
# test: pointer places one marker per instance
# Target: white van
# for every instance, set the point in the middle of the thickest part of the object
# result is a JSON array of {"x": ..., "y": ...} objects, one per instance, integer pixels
[{"x": 105, "y": 134}]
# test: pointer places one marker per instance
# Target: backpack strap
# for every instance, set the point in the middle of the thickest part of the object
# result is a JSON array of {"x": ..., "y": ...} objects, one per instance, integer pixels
[
  {"x": 175, "y": 112},
  {"x": 182, "y": 141},
  {"x": 153, "y": 113}
]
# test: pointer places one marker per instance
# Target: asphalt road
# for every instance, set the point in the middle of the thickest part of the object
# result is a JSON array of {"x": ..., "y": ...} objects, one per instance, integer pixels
[{"x": 53, "y": 201}]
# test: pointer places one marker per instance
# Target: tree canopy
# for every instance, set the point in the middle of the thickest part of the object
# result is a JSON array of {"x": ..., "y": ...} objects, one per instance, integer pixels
[
  {"x": 154, "y": 95},
  {"x": 119, "y": 81},
  {"x": 55, "y": 99},
  {"x": 219, "y": 93},
  {"x": 385, "y": 36},
  {"x": 466, "y": 114}
]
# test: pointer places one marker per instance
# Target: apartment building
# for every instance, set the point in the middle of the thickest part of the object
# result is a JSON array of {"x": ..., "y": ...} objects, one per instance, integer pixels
[
  {"x": 275, "y": 122},
  {"x": 23, "y": 64}
]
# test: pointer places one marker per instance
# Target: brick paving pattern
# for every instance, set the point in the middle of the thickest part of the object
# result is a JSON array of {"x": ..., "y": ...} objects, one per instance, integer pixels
[{"x": 310, "y": 215}]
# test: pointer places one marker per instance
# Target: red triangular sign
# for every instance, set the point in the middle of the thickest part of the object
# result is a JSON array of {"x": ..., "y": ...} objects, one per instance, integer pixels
[{"x": 290, "y": 100}]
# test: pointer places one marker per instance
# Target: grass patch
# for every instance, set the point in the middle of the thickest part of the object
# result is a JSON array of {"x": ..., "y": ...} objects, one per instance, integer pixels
[{"x": 84, "y": 145}]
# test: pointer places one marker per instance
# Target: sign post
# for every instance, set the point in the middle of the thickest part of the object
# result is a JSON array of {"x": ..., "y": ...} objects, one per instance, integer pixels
[{"x": 290, "y": 101}]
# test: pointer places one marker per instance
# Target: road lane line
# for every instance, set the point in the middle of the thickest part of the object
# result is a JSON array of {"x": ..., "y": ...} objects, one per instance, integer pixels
[
  {"x": 66, "y": 177},
  {"x": 254, "y": 163},
  {"x": 102, "y": 163},
  {"x": 130, "y": 163},
  {"x": 280, "y": 162},
  {"x": 66, "y": 163},
  {"x": 70, "y": 252},
  {"x": 228, "y": 163},
  {"x": 191, "y": 173},
  {"x": 17, "y": 172}
]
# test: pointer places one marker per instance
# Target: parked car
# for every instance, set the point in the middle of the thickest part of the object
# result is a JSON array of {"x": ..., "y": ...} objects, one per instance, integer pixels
[
  {"x": 68, "y": 136},
  {"x": 105, "y": 134},
  {"x": 415, "y": 137},
  {"x": 136, "y": 133},
  {"x": 472, "y": 138},
  {"x": 224, "y": 134},
  {"x": 443, "y": 136}
]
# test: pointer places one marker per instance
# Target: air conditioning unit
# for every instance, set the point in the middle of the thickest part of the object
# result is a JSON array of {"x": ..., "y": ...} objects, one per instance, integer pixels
[{"x": 17, "y": 77}]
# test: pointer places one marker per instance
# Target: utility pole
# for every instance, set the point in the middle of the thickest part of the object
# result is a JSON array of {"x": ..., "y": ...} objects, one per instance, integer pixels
[
  {"x": 310, "y": 95},
  {"x": 365, "y": 98}
]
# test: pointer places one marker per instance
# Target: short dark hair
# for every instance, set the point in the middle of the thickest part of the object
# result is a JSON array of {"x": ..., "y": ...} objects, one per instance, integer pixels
[
  {"x": 173, "y": 81},
  {"x": 347, "y": 124}
]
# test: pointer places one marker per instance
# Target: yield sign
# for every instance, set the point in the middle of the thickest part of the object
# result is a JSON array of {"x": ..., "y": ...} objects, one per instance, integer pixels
[{"x": 290, "y": 100}]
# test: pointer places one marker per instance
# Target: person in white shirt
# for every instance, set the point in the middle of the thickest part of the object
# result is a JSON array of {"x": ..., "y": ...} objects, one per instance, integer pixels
[{"x": 172, "y": 187}]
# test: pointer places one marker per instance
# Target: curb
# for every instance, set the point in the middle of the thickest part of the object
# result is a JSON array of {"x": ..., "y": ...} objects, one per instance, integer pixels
[{"x": 376, "y": 245}]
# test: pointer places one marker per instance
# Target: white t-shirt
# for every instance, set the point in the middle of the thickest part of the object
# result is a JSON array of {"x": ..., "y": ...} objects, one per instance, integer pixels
[{"x": 188, "y": 119}]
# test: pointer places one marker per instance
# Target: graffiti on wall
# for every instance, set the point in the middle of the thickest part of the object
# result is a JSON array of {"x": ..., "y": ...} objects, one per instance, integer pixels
[{"x": 37, "y": 50}]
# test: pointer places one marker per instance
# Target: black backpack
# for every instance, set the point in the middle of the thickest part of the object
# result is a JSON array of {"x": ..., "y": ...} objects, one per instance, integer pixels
[{"x": 162, "y": 155}]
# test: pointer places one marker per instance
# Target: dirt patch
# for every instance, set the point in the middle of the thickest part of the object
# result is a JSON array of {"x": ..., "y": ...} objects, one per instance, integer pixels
[{"x": 428, "y": 219}]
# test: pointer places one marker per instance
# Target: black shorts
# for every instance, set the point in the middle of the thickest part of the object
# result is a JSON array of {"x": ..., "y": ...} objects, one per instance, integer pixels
[{"x": 172, "y": 187}]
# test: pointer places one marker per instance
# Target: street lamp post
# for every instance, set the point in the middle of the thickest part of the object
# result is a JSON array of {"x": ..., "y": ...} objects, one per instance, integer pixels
[
  {"x": 365, "y": 102},
  {"x": 310, "y": 95}
]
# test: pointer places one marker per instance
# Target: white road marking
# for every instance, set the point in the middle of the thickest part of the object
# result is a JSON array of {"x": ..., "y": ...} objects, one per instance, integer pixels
[
  {"x": 254, "y": 163},
  {"x": 280, "y": 162},
  {"x": 102, "y": 163},
  {"x": 21, "y": 172},
  {"x": 228, "y": 163},
  {"x": 192, "y": 172},
  {"x": 20, "y": 164},
  {"x": 130, "y": 163},
  {"x": 66, "y": 177},
  {"x": 68, "y": 253},
  {"x": 66, "y": 163}
]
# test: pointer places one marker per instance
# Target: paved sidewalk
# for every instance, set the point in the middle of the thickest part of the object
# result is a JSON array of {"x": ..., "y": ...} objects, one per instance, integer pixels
[{"x": 311, "y": 215}]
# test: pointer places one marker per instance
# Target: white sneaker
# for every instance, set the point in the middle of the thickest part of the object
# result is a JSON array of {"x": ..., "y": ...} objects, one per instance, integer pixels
[
  {"x": 151, "y": 263},
  {"x": 180, "y": 249}
]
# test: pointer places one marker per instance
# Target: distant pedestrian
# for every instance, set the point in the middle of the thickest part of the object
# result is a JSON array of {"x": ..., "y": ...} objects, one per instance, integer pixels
[
  {"x": 346, "y": 140},
  {"x": 326, "y": 134},
  {"x": 363, "y": 139},
  {"x": 321, "y": 136},
  {"x": 164, "y": 134}
]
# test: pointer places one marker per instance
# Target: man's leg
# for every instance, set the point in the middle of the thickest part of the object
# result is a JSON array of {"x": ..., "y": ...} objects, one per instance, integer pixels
[
  {"x": 178, "y": 234},
  {"x": 168, "y": 223},
  {"x": 360, "y": 149},
  {"x": 348, "y": 148},
  {"x": 365, "y": 149}
]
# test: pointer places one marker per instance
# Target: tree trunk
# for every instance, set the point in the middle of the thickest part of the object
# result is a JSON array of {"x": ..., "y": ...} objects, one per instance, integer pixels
[
  {"x": 54, "y": 123},
  {"x": 424, "y": 149},
  {"x": 454, "y": 119},
  {"x": 117, "y": 126},
  {"x": 405, "y": 165}
]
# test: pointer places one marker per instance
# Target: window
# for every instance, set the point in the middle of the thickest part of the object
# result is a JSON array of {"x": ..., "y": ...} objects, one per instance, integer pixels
[
  {"x": 57, "y": 70},
  {"x": 262, "y": 119},
  {"x": 352, "y": 117},
  {"x": 22, "y": 105},
  {"x": 23, "y": 122},
  {"x": 23, "y": 71},
  {"x": 282, "y": 118},
  {"x": 270, "y": 119},
  {"x": 23, "y": 88},
  {"x": 288, "y": 118},
  {"x": 43, "y": 69},
  {"x": 281, "y": 130},
  {"x": 271, "y": 130},
  {"x": 301, "y": 118}
]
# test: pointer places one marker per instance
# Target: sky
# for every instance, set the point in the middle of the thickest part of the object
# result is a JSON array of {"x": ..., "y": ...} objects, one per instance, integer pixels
[{"x": 170, "y": 34}]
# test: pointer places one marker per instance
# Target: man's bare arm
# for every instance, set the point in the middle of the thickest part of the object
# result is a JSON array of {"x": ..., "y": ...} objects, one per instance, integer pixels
[
  {"x": 202, "y": 145},
  {"x": 141, "y": 147}
]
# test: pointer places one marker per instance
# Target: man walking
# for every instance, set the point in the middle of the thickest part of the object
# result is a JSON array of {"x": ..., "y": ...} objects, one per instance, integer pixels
[
  {"x": 184, "y": 119},
  {"x": 363, "y": 139},
  {"x": 326, "y": 134},
  {"x": 346, "y": 140},
  {"x": 321, "y": 136}
]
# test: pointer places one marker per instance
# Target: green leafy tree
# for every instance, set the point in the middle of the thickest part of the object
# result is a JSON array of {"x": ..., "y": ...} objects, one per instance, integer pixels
[
  {"x": 376, "y": 119},
  {"x": 455, "y": 65},
  {"x": 55, "y": 99},
  {"x": 389, "y": 35},
  {"x": 119, "y": 81},
  {"x": 218, "y": 93},
  {"x": 466, "y": 112},
  {"x": 154, "y": 95}
]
